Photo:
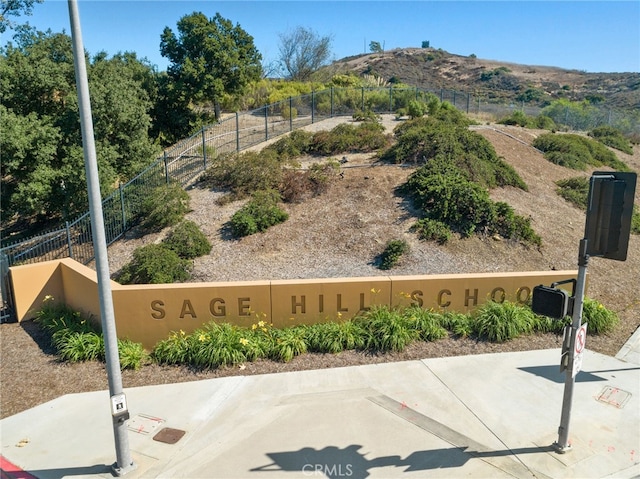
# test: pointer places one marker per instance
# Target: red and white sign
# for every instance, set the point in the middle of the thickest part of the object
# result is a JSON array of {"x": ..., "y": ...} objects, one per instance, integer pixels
[{"x": 581, "y": 340}]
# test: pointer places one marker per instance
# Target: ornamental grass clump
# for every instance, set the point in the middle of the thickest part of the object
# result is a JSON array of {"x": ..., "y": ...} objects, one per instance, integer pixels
[
  {"x": 287, "y": 343},
  {"x": 217, "y": 345},
  {"x": 499, "y": 322},
  {"x": 600, "y": 320},
  {"x": 77, "y": 338},
  {"x": 427, "y": 323},
  {"x": 386, "y": 329},
  {"x": 334, "y": 337}
]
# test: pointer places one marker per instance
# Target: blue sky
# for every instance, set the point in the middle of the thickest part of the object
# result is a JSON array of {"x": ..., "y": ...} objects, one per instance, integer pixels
[{"x": 594, "y": 36}]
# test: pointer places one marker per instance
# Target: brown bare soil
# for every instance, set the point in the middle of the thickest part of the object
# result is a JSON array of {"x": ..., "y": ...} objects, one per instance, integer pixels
[{"x": 339, "y": 234}]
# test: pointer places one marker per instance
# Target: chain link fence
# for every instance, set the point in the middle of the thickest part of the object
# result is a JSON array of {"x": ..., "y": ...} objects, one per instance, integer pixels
[{"x": 186, "y": 160}]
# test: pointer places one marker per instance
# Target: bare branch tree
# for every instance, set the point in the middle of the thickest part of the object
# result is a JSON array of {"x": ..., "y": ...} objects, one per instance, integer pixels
[{"x": 302, "y": 52}]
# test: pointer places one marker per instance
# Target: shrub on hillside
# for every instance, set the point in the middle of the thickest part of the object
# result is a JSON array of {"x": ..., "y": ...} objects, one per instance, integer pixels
[
  {"x": 244, "y": 173},
  {"x": 446, "y": 196},
  {"x": 575, "y": 190},
  {"x": 155, "y": 264},
  {"x": 392, "y": 253},
  {"x": 576, "y": 152},
  {"x": 260, "y": 213},
  {"x": 165, "y": 206},
  {"x": 612, "y": 137},
  {"x": 429, "y": 139},
  {"x": 428, "y": 229},
  {"x": 187, "y": 240},
  {"x": 291, "y": 146}
]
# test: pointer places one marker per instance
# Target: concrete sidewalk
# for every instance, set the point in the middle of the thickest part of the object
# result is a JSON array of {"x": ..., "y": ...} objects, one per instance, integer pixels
[{"x": 485, "y": 416}]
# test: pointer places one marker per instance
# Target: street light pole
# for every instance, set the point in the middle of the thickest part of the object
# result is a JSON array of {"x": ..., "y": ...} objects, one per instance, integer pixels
[{"x": 124, "y": 462}]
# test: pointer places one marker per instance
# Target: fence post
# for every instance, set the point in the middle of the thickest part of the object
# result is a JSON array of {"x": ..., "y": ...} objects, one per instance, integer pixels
[
  {"x": 313, "y": 104},
  {"x": 166, "y": 167},
  {"x": 204, "y": 150},
  {"x": 124, "y": 211},
  {"x": 468, "y": 101},
  {"x": 331, "y": 101},
  {"x": 69, "y": 244},
  {"x": 290, "y": 114},
  {"x": 266, "y": 123},
  {"x": 390, "y": 99},
  {"x": 362, "y": 95},
  {"x": 237, "y": 133}
]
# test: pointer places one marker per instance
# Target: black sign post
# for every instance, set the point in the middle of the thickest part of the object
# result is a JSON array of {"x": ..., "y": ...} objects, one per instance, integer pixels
[{"x": 607, "y": 229}]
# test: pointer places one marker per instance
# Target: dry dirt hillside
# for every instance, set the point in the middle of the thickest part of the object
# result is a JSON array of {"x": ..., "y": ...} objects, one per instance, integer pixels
[
  {"x": 339, "y": 234},
  {"x": 491, "y": 79}
]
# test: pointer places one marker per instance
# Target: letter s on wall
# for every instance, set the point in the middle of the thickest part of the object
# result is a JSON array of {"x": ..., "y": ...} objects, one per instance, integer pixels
[{"x": 157, "y": 308}]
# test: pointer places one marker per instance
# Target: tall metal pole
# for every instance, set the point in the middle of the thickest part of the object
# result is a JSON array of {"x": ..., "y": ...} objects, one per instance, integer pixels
[
  {"x": 562, "y": 445},
  {"x": 124, "y": 462}
]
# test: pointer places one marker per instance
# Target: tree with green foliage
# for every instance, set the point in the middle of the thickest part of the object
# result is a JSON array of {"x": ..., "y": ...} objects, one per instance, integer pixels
[
  {"x": 43, "y": 174},
  {"x": 302, "y": 52},
  {"x": 14, "y": 8},
  {"x": 210, "y": 57},
  {"x": 375, "y": 47}
]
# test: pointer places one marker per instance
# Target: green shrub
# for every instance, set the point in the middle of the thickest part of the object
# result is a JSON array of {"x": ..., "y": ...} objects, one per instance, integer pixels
[
  {"x": 132, "y": 355},
  {"x": 288, "y": 343},
  {"x": 427, "y": 323},
  {"x": 416, "y": 109},
  {"x": 364, "y": 137},
  {"x": 576, "y": 152},
  {"x": 187, "y": 240},
  {"x": 635, "y": 221},
  {"x": 291, "y": 146},
  {"x": 334, "y": 337},
  {"x": 612, "y": 137},
  {"x": 259, "y": 214},
  {"x": 500, "y": 322},
  {"x": 386, "y": 329},
  {"x": 366, "y": 115},
  {"x": 245, "y": 173},
  {"x": 78, "y": 339},
  {"x": 431, "y": 230},
  {"x": 517, "y": 118},
  {"x": 600, "y": 320},
  {"x": 217, "y": 345},
  {"x": 392, "y": 253},
  {"x": 175, "y": 349},
  {"x": 459, "y": 324},
  {"x": 446, "y": 139},
  {"x": 575, "y": 190},
  {"x": 80, "y": 347},
  {"x": 165, "y": 206},
  {"x": 155, "y": 264}
]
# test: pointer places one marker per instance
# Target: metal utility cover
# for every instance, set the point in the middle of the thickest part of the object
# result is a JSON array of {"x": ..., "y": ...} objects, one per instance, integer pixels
[
  {"x": 614, "y": 396},
  {"x": 168, "y": 435},
  {"x": 144, "y": 424}
]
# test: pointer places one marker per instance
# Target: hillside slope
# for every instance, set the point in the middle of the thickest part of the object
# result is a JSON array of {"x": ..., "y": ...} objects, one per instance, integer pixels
[
  {"x": 490, "y": 79},
  {"x": 340, "y": 233}
]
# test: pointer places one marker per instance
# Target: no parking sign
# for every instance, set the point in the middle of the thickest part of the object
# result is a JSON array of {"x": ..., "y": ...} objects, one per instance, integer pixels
[{"x": 581, "y": 339}]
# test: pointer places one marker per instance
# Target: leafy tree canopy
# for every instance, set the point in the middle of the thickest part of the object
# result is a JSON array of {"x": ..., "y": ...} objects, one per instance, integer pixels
[
  {"x": 42, "y": 158},
  {"x": 14, "y": 8},
  {"x": 210, "y": 57}
]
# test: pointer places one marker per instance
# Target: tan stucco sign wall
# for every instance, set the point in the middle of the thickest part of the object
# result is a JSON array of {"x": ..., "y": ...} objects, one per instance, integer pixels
[{"x": 149, "y": 313}]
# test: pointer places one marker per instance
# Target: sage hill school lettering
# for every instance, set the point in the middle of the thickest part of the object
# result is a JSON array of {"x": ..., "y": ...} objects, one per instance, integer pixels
[{"x": 328, "y": 304}]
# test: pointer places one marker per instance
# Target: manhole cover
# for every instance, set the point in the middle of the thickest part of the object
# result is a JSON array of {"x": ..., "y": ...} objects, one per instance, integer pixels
[
  {"x": 168, "y": 435},
  {"x": 614, "y": 396}
]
